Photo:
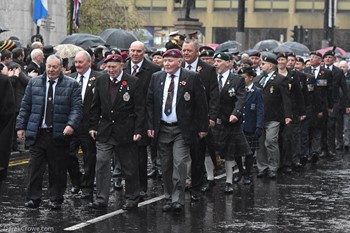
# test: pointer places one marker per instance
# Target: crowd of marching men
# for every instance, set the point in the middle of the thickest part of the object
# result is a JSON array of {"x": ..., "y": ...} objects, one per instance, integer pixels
[{"x": 188, "y": 108}]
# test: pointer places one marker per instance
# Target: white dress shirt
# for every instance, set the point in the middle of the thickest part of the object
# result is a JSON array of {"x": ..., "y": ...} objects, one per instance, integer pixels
[
  {"x": 85, "y": 82},
  {"x": 193, "y": 65}
]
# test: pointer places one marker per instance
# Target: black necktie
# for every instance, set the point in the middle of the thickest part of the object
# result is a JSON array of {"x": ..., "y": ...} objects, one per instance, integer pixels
[
  {"x": 135, "y": 67},
  {"x": 189, "y": 67},
  {"x": 49, "y": 105},
  {"x": 247, "y": 89},
  {"x": 220, "y": 82},
  {"x": 169, "y": 99}
]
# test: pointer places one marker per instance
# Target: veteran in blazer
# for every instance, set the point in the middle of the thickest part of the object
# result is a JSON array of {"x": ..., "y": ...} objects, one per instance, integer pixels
[
  {"x": 207, "y": 76},
  {"x": 116, "y": 122},
  {"x": 143, "y": 69},
  {"x": 278, "y": 110},
  {"x": 175, "y": 100},
  {"x": 228, "y": 134},
  {"x": 86, "y": 77}
]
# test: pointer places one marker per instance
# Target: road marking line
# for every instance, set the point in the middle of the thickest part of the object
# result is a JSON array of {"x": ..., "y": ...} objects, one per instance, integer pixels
[
  {"x": 120, "y": 211},
  {"x": 18, "y": 162}
]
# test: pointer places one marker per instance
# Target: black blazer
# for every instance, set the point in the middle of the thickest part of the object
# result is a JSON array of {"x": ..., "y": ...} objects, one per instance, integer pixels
[
  {"x": 145, "y": 73},
  {"x": 191, "y": 109},
  {"x": 207, "y": 74},
  {"x": 32, "y": 66},
  {"x": 324, "y": 83},
  {"x": 90, "y": 88},
  {"x": 232, "y": 99},
  {"x": 340, "y": 90},
  {"x": 276, "y": 95},
  {"x": 296, "y": 94},
  {"x": 120, "y": 118}
]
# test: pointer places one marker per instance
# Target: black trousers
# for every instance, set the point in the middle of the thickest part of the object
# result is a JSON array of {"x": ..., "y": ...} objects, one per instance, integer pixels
[
  {"x": 197, "y": 151},
  {"x": 88, "y": 146},
  {"x": 142, "y": 152},
  {"x": 44, "y": 152}
]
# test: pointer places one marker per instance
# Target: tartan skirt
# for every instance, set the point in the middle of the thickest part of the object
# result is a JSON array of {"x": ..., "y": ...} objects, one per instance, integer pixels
[
  {"x": 252, "y": 140},
  {"x": 230, "y": 141}
]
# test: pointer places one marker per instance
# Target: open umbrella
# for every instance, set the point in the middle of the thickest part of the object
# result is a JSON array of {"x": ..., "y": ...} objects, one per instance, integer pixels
[
  {"x": 67, "y": 50},
  {"x": 118, "y": 38},
  {"x": 142, "y": 34},
  {"x": 297, "y": 48},
  {"x": 266, "y": 45},
  {"x": 228, "y": 45},
  {"x": 83, "y": 40},
  {"x": 3, "y": 29},
  {"x": 338, "y": 51},
  {"x": 281, "y": 49}
]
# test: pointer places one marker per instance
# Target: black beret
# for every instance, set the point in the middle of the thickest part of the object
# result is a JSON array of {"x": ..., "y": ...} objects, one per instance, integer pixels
[
  {"x": 269, "y": 58},
  {"x": 316, "y": 54},
  {"x": 159, "y": 53},
  {"x": 207, "y": 53},
  {"x": 222, "y": 56},
  {"x": 284, "y": 55},
  {"x": 299, "y": 59},
  {"x": 254, "y": 53},
  {"x": 329, "y": 53}
]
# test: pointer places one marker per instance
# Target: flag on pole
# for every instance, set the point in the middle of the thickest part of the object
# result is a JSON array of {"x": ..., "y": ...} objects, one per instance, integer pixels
[
  {"x": 75, "y": 17},
  {"x": 40, "y": 10}
]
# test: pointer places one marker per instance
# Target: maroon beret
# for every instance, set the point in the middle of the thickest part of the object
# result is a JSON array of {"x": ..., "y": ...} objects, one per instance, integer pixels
[
  {"x": 316, "y": 54},
  {"x": 114, "y": 58},
  {"x": 173, "y": 53}
]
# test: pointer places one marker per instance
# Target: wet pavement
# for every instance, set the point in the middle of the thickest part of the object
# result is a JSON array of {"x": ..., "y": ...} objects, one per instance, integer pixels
[{"x": 316, "y": 199}]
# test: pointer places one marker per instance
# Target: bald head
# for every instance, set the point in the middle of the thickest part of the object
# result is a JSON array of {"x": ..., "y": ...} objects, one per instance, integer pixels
[
  {"x": 344, "y": 66},
  {"x": 137, "y": 52}
]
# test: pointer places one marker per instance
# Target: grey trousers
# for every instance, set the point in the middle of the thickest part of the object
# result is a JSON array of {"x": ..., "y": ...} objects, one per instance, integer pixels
[
  {"x": 347, "y": 129},
  {"x": 128, "y": 157},
  {"x": 268, "y": 155},
  {"x": 174, "y": 156}
]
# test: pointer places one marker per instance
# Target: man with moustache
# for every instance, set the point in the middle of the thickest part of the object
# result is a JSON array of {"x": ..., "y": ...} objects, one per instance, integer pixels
[
  {"x": 175, "y": 100},
  {"x": 116, "y": 123},
  {"x": 207, "y": 76},
  {"x": 142, "y": 68},
  {"x": 86, "y": 77}
]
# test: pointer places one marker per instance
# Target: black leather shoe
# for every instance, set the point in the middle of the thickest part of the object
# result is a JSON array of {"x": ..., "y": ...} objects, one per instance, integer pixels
[
  {"x": 297, "y": 166},
  {"x": 195, "y": 197},
  {"x": 32, "y": 204},
  {"x": 331, "y": 153},
  {"x": 228, "y": 188},
  {"x": 261, "y": 174},
  {"x": 339, "y": 147},
  {"x": 322, "y": 155},
  {"x": 271, "y": 175},
  {"x": 346, "y": 148},
  {"x": 177, "y": 207},
  {"x": 247, "y": 180},
  {"x": 75, "y": 190},
  {"x": 97, "y": 206},
  {"x": 303, "y": 160},
  {"x": 167, "y": 206},
  {"x": 314, "y": 158},
  {"x": 117, "y": 184},
  {"x": 286, "y": 170},
  {"x": 54, "y": 205},
  {"x": 143, "y": 195},
  {"x": 86, "y": 195},
  {"x": 237, "y": 178},
  {"x": 129, "y": 205},
  {"x": 152, "y": 173},
  {"x": 208, "y": 185}
]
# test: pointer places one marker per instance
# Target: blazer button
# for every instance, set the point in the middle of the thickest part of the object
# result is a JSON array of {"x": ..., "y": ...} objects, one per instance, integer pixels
[
  {"x": 113, "y": 121},
  {"x": 111, "y": 111}
]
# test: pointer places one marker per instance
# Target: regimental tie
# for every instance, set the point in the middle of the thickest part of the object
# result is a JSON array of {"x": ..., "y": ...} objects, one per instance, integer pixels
[
  {"x": 81, "y": 82},
  {"x": 49, "y": 105},
  {"x": 134, "y": 71},
  {"x": 220, "y": 82},
  {"x": 189, "y": 67},
  {"x": 263, "y": 80},
  {"x": 169, "y": 99}
]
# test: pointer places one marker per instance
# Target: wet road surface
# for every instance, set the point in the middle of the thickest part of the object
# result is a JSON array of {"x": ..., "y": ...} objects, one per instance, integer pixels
[{"x": 317, "y": 199}]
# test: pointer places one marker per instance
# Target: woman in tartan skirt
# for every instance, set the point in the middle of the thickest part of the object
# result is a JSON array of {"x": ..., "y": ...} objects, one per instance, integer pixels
[
  {"x": 253, "y": 120},
  {"x": 228, "y": 134}
]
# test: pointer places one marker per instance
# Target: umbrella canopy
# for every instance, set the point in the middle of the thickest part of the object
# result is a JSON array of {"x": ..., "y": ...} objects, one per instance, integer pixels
[
  {"x": 266, "y": 45},
  {"x": 118, "y": 38},
  {"x": 3, "y": 29},
  {"x": 142, "y": 34},
  {"x": 67, "y": 50},
  {"x": 228, "y": 45},
  {"x": 83, "y": 40},
  {"x": 297, "y": 48},
  {"x": 281, "y": 49},
  {"x": 338, "y": 51}
]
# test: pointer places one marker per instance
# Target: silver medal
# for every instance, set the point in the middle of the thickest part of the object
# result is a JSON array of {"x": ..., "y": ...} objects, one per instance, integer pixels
[
  {"x": 126, "y": 97},
  {"x": 187, "y": 96}
]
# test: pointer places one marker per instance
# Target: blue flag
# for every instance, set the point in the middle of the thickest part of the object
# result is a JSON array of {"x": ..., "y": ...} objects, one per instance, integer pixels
[{"x": 40, "y": 10}]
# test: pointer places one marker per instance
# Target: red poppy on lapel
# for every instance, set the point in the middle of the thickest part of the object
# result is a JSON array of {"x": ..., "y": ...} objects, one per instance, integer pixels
[
  {"x": 183, "y": 83},
  {"x": 92, "y": 79},
  {"x": 199, "y": 68},
  {"x": 124, "y": 83}
]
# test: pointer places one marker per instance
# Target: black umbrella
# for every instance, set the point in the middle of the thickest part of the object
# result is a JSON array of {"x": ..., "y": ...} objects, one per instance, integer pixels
[
  {"x": 266, "y": 45},
  {"x": 230, "y": 45},
  {"x": 297, "y": 48},
  {"x": 3, "y": 29},
  {"x": 83, "y": 40},
  {"x": 118, "y": 38},
  {"x": 282, "y": 49}
]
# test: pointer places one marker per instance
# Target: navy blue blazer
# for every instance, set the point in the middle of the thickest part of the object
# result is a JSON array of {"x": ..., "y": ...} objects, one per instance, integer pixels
[{"x": 253, "y": 110}]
